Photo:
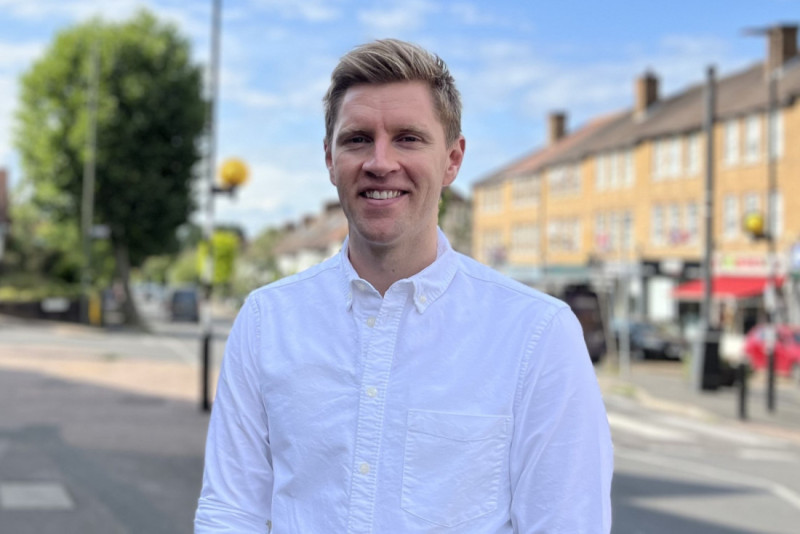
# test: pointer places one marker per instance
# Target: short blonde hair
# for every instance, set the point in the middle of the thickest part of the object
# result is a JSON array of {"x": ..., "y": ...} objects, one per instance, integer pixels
[{"x": 388, "y": 61}]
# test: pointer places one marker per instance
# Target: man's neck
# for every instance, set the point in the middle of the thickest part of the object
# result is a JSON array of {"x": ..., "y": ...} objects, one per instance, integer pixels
[{"x": 383, "y": 265}]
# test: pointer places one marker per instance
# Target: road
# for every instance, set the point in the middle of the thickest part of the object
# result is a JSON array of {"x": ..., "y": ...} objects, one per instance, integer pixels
[
  {"x": 105, "y": 458},
  {"x": 677, "y": 473}
]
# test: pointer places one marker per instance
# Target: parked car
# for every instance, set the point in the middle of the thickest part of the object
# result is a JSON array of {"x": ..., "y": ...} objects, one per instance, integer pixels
[
  {"x": 787, "y": 349},
  {"x": 182, "y": 305},
  {"x": 648, "y": 340}
]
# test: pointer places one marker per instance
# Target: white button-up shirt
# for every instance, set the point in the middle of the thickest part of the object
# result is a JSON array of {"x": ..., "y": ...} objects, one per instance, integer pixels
[{"x": 459, "y": 402}]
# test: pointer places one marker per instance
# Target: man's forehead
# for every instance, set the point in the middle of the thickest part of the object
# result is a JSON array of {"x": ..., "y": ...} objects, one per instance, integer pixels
[{"x": 412, "y": 99}]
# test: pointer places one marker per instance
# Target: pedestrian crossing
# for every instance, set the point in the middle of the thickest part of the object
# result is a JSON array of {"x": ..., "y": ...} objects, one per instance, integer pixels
[{"x": 674, "y": 435}]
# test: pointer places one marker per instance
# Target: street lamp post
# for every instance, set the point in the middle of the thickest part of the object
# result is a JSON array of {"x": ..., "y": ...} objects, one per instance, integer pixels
[
  {"x": 773, "y": 73},
  {"x": 232, "y": 174}
]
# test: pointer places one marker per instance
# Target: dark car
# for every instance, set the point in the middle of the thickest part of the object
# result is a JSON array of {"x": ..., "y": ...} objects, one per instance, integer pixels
[
  {"x": 651, "y": 341},
  {"x": 182, "y": 305}
]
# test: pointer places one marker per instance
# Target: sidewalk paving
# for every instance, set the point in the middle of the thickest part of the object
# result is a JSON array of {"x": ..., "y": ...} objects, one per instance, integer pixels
[{"x": 666, "y": 386}]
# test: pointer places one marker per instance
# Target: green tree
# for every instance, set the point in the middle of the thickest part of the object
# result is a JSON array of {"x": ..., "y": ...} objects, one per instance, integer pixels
[
  {"x": 150, "y": 115},
  {"x": 225, "y": 247}
]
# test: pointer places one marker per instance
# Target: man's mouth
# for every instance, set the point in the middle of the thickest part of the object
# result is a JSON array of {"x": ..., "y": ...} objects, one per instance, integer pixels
[{"x": 381, "y": 195}]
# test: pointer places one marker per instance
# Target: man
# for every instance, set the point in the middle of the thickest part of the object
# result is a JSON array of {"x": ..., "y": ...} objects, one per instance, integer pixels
[{"x": 401, "y": 387}]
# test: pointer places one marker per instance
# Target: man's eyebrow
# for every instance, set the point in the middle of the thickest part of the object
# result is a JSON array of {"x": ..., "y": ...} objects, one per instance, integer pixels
[{"x": 349, "y": 132}]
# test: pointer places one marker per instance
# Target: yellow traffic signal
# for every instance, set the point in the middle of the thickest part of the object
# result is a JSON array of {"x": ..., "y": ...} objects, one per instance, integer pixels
[
  {"x": 754, "y": 224},
  {"x": 233, "y": 173}
]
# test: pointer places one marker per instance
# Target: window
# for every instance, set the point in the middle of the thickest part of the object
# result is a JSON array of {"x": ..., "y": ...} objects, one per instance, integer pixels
[
  {"x": 657, "y": 225},
  {"x": 675, "y": 234},
  {"x": 627, "y": 231},
  {"x": 526, "y": 191},
  {"x": 563, "y": 235},
  {"x": 492, "y": 199},
  {"x": 660, "y": 159},
  {"x": 601, "y": 238},
  {"x": 613, "y": 231},
  {"x": 629, "y": 172},
  {"x": 614, "y": 175},
  {"x": 752, "y": 138},
  {"x": 776, "y": 130},
  {"x": 752, "y": 202},
  {"x": 693, "y": 154},
  {"x": 693, "y": 222},
  {"x": 602, "y": 172},
  {"x": 730, "y": 217},
  {"x": 675, "y": 158},
  {"x": 525, "y": 238},
  {"x": 565, "y": 179},
  {"x": 492, "y": 247},
  {"x": 731, "y": 148}
]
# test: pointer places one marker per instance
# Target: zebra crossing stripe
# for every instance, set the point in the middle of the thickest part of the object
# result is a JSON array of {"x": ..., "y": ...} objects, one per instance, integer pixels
[{"x": 630, "y": 425}]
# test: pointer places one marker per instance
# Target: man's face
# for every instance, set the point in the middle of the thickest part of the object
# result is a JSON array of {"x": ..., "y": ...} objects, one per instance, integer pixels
[{"x": 388, "y": 158}]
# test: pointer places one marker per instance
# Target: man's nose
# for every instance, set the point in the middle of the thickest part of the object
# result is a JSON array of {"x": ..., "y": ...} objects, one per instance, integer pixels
[{"x": 382, "y": 159}]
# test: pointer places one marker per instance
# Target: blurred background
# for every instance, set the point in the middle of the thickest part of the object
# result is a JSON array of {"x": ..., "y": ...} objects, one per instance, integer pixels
[{"x": 161, "y": 159}]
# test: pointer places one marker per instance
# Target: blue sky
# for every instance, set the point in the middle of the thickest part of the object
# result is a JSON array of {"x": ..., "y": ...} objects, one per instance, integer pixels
[{"x": 513, "y": 60}]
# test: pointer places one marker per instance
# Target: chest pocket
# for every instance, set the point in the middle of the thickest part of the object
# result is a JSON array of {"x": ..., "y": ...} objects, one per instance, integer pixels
[{"x": 453, "y": 465}]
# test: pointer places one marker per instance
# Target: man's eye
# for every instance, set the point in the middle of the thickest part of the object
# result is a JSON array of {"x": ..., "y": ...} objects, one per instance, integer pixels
[
  {"x": 357, "y": 139},
  {"x": 409, "y": 139}
]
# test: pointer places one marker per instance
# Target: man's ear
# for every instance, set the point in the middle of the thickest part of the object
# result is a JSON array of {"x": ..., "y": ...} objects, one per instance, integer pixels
[
  {"x": 329, "y": 161},
  {"x": 454, "y": 159}
]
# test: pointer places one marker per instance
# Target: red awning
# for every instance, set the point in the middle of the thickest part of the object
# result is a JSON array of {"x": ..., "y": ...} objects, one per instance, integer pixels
[{"x": 738, "y": 287}]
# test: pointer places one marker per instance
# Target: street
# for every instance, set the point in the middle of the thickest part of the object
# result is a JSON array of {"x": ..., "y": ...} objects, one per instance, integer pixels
[
  {"x": 680, "y": 474},
  {"x": 104, "y": 434}
]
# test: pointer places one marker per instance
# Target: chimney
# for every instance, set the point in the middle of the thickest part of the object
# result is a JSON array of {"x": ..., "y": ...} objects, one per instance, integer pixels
[
  {"x": 557, "y": 126},
  {"x": 782, "y": 46},
  {"x": 646, "y": 92}
]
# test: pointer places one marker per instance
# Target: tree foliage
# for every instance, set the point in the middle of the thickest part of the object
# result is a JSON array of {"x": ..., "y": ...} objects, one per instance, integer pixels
[{"x": 150, "y": 115}]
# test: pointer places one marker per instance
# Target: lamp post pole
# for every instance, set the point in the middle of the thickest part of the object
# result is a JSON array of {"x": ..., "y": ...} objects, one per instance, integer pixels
[
  {"x": 770, "y": 291},
  {"x": 773, "y": 72},
  {"x": 208, "y": 227}
]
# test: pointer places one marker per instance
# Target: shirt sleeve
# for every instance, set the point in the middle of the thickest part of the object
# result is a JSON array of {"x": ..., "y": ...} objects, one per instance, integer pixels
[
  {"x": 561, "y": 458},
  {"x": 237, "y": 479}
]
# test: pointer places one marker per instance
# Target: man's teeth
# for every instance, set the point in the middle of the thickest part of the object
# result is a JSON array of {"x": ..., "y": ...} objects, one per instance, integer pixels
[{"x": 382, "y": 195}]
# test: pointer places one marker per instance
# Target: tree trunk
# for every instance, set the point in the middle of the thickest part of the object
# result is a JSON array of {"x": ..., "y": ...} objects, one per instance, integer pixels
[{"x": 123, "y": 268}]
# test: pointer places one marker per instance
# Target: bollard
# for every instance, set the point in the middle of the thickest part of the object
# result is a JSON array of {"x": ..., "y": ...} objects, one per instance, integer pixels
[{"x": 741, "y": 371}]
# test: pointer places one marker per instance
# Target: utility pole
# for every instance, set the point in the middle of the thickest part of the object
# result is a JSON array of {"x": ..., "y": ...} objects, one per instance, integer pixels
[
  {"x": 773, "y": 72},
  {"x": 708, "y": 242},
  {"x": 87, "y": 193},
  {"x": 208, "y": 227},
  {"x": 770, "y": 290}
]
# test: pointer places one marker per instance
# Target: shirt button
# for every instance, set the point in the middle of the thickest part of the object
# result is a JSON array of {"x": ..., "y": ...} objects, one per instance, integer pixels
[
  {"x": 371, "y": 322},
  {"x": 372, "y": 392},
  {"x": 363, "y": 468},
  {"x": 423, "y": 299}
]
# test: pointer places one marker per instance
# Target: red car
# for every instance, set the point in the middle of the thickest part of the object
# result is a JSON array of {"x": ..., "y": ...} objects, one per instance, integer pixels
[{"x": 787, "y": 350}]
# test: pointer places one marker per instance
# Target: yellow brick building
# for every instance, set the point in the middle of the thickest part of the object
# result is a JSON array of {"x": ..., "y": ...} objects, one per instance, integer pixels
[{"x": 623, "y": 197}]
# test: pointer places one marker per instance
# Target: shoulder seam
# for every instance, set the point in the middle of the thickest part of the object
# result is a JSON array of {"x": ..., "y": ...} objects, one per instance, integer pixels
[{"x": 536, "y": 336}]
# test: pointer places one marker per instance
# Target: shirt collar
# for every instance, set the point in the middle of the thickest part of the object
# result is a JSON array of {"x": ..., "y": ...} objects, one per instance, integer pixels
[{"x": 428, "y": 284}]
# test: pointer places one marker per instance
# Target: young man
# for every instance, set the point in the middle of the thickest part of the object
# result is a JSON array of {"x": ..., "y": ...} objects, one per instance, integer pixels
[{"x": 400, "y": 387}]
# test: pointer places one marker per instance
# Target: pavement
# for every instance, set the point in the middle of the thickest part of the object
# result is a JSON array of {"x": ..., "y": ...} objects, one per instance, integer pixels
[{"x": 92, "y": 443}]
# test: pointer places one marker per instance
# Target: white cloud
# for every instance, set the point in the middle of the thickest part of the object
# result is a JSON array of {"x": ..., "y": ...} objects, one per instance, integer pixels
[
  {"x": 15, "y": 56},
  {"x": 308, "y": 10},
  {"x": 408, "y": 16}
]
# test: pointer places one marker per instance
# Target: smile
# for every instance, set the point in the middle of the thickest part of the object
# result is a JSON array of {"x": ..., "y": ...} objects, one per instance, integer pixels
[{"x": 382, "y": 195}]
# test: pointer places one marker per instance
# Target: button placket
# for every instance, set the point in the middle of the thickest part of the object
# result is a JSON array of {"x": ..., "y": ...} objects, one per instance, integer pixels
[{"x": 377, "y": 359}]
